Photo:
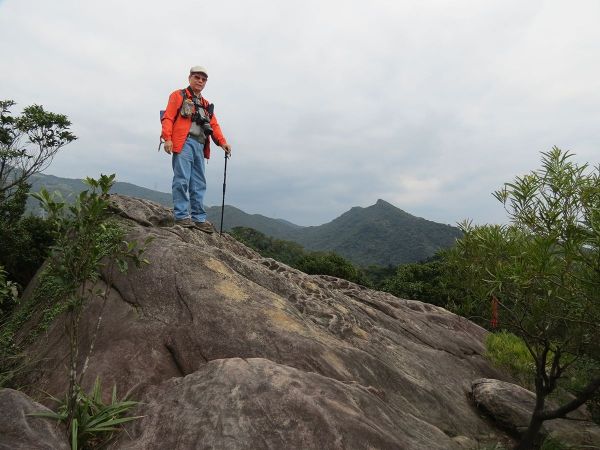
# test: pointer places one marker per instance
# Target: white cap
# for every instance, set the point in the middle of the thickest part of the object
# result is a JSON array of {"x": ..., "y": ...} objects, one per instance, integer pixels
[{"x": 197, "y": 69}]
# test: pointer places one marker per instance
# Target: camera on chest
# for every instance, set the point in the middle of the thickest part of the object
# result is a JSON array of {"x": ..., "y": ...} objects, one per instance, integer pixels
[
  {"x": 200, "y": 117},
  {"x": 194, "y": 110}
]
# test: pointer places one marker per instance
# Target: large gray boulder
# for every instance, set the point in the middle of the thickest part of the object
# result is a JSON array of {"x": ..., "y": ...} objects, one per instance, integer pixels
[
  {"x": 511, "y": 407},
  {"x": 20, "y": 429},
  {"x": 227, "y": 349},
  {"x": 255, "y": 403}
]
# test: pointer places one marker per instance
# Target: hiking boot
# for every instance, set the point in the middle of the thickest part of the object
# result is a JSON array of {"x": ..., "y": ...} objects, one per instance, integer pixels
[
  {"x": 207, "y": 227},
  {"x": 185, "y": 223}
]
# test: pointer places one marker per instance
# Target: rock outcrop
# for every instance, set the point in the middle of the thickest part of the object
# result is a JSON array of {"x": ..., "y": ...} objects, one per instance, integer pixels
[
  {"x": 227, "y": 349},
  {"x": 20, "y": 429},
  {"x": 511, "y": 406}
]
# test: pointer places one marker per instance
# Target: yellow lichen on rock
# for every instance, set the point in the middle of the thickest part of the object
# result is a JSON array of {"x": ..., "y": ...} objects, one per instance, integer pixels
[
  {"x": 217, "y": 266},
  {"x": 231, "y": 291},
  {"x": 360, "y": 332},
  {"x": 281, "y": 319},
  {"x": 336, "y": 363}
]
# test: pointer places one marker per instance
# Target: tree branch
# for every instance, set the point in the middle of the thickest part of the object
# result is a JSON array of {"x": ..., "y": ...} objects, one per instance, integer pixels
[{"x": 579, "y": 400}]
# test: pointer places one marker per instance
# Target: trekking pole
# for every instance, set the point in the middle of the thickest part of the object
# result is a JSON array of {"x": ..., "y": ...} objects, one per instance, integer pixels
[{"x": 223, "y": 203}]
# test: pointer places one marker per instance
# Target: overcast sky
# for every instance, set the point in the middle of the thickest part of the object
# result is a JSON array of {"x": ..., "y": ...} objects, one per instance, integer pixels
[{"x": 430, "y": 105}]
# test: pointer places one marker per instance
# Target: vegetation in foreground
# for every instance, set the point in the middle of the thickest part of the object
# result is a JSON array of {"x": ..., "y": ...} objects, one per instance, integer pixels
[
  {"x": 77, "y": 242},
  {"x": 87, "y": 243},
  {"x": 543, "y": 272}
]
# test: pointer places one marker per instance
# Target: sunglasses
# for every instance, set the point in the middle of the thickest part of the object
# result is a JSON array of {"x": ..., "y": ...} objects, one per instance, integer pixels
[{"x": 200, "y": 77}]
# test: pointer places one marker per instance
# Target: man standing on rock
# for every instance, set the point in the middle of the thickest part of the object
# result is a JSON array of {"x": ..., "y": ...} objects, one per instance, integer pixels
[{"x": 187, "y": 124}]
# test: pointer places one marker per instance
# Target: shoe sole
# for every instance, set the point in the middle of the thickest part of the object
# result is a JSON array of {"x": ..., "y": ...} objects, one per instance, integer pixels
[{"x": 185, "y": 225}]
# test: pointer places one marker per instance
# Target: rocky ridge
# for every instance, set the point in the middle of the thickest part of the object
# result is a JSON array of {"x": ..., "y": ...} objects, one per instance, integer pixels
[{"x": 227, "y": 349}]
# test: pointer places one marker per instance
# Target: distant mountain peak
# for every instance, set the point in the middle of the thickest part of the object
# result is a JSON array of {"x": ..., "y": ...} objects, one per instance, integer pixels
[
  {"x": 387, "y": 207},
  {"x": 383, "y": 204}
]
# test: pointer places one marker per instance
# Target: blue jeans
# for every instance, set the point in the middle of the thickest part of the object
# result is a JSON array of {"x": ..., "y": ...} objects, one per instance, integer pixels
[{"x": 189, "y": 182}]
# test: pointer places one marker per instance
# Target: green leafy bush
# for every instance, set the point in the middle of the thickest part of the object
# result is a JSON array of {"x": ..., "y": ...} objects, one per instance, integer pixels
[
  {"x": 509, "y": 352},
  {"x": 423, "y": 281},
  {"x": 25, "y": 243},
  {"x": 94, "y": 423},
  {"x": 321, "y": 263},
  {"x": 28, "y": 143},
  {"x": 9, "y": 293},
  {"x": 25, "y": 246}
]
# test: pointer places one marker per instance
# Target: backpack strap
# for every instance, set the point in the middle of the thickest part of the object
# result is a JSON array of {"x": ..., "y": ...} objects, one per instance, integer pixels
[
  {"x": 208, "y": 107},
  {"x": 182, "y": 92}
]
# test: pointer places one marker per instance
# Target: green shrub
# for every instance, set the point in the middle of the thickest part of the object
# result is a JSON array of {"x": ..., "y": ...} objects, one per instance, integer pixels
[
  {"x": 9, "y": 292},
  {"x": 422, "y": 281},
  {"x": 94, "y": 423},
  {"x": 509, "y": 352},
  {"x": 25, "y": 246},
  {"x": 320, "y": 263}
]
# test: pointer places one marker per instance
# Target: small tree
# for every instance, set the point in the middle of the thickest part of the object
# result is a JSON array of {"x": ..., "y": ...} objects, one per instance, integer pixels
[
  {"x": 28, "y": 143},
  {"x": 544, "y": 271},
  {"x": 86, "y": 243}
]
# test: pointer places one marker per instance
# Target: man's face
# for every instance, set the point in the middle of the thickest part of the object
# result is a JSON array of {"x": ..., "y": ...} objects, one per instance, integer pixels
[{"x": 198, "y": 81}]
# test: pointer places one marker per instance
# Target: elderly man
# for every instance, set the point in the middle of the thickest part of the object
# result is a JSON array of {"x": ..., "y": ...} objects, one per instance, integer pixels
[{"x": 187, "y": 124}]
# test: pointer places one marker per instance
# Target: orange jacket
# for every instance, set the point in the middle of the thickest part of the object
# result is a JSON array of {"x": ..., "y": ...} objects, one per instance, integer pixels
[{"x": 176, "y": 128}]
